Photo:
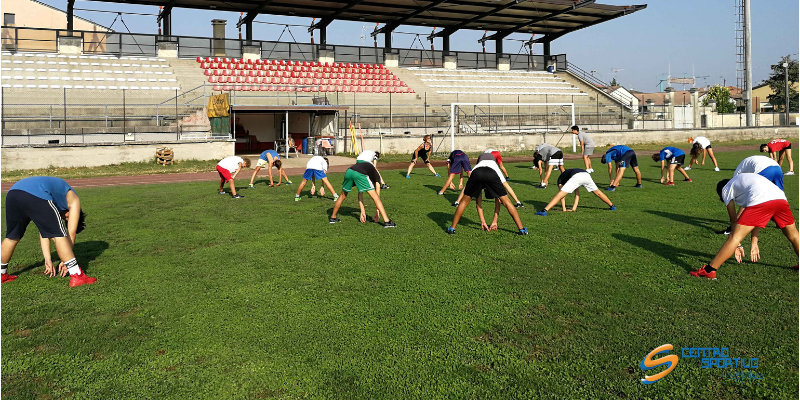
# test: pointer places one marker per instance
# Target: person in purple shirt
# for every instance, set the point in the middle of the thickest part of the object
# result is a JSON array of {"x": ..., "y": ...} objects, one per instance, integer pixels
[
  {"x": 675, "y": 157},
  {"x": 623, "y": 157},
  {"x": 51, "y": 204}
]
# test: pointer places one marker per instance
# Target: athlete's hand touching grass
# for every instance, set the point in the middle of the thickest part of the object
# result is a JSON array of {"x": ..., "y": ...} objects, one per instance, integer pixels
[
  {"x": 363, "y": 218},
  {"x": 376, "y": 217},
  {"x": 739, "y": 254},
  {"x": 755, "y": 255},
  {"x": 62, "y": 269},
  {"x": 484, "y": 227},
  {"x": 493, "y": 227},
  {"x": 453, "y": 187},
  {"x": 49, "y": 270}
]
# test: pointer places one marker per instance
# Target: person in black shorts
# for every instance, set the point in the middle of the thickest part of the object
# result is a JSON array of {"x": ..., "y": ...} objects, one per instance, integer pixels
[
  {"x": 487, "y": 177},
  {"x": 366, "y": 178},
  {"x": 458, "y": 163},
  {"x": 623, "y": 157},
  {"x": 675, "y": 157},
  {"x": 422, "y": 152},
  {"x": 51, "y": 204}
]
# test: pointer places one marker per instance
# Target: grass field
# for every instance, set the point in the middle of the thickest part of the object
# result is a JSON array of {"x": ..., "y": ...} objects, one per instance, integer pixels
[{"x": 204, "y": 297}]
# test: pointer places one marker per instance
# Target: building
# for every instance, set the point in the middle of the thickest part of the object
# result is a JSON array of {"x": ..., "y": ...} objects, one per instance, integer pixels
[{"x": 19, "y": 16}]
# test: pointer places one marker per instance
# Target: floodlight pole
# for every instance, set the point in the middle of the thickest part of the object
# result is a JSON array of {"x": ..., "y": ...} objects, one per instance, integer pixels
[
  {"x": 748, "y": 65},
  {"x": 786, "y": 91}
]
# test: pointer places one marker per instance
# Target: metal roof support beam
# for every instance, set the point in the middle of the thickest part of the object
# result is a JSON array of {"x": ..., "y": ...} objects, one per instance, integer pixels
[
  {"x": 506, "y": 32},
  {"x": 323, "y": 34},
  {"x": 387, "y": 41},
  {"x": 546, "y": 48},
  {"x": 251, "y": 16},
  {"x": 70, "y": 7},
  {"x": 248, "y": 31},
  {"x": 445, "y": 44},
  {"x": 628, "y": 10},
  {"x": 396, "y": 23},
  {"x": 322, "y": 25},
  {"x": 165, "y": 15},
  {"x": 454, "y": 28}
]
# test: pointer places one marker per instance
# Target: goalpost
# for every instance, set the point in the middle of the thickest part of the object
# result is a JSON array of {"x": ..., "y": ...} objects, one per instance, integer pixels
[{"x": 542, "y": 118}]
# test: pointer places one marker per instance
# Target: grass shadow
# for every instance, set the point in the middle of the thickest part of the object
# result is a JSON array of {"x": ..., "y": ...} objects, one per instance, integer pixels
[
  {"x": 706, "y": 223},
  {"x": 537, "y": 205},
  {"x": 85, "y": 253},
  {"x": 443, "y": 220},
  {"x": 671, "y": 253}
]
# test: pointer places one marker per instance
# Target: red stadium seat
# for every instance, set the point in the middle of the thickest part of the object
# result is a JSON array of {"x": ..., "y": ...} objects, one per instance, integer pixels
[
  {"x": 249, "y": 61},
  {"x": 199, "y": 59},
  {"x": 212, "y": 79},
  {"x": 239, "y": 79},
  {"x": 217, "y": 88},
  {"x": 207, "y": 72}
]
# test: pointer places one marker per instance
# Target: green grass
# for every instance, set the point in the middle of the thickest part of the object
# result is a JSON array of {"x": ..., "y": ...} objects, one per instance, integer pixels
[{"x": 204, "y": 297}]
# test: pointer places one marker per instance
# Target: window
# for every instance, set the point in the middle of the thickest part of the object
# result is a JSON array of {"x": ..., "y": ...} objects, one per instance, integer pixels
[{"x": 8, "y": 19}]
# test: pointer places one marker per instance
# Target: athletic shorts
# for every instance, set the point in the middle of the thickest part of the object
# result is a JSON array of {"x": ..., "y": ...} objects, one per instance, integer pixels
[
  {"x": 556, "y": 159},
  {"x": 224, "y": 174},
  {"x": 760, "y": 215},
  {"x": 314, "y": 173},
  {"x": 361, "y": 181},
  {"x": 424, "y": 158},
  {"x": 587, "y": 150},
  {"x": 774, "y": 174},
  {"x": 677, "y": 160},
  {"x": 485, "y": 179},
  {"x": 262, "y": 163},
  {"x": 461, "y": 163},
  {"x": 578, "y": 180},
  {"x": 628, "y": 160},
  {"x": 23, "y": 207}
]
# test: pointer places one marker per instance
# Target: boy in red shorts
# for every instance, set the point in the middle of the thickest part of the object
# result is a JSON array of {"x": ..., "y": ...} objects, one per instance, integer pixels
[
  {"x": 228, "y": 168},
  {"x": 778, "y": 149},
  {"x": 762, "y": 202}
]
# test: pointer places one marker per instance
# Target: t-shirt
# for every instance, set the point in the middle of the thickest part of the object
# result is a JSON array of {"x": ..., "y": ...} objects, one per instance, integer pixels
[
  {"x": 367, "y": 155},
  {"x": 704, "y": 142},
  {"x": 318, "y": 163},
  {"x": 754, "y": 165},
  {"x": 231, "y": 163},
  {"x": 586, "y": 139},
  {"x": 273, "y": 153},
  {"x": 46, "y": 188},
  {"x": 453, "y": 155},
  {"x": 567, "y": 175},
  {"x": 490, "y": 164},
  {"x": 486, "y": 157},
  {"x": 497, "y": 157},
  {"x": 750, "y": 190},
  {"x": 778, "y": 145},
  {"x": 615, "y": 153},
  {"x": 547, "y": 151},
  {"x": 669, "y": 152},
  {"x": 369, "y": 170}
]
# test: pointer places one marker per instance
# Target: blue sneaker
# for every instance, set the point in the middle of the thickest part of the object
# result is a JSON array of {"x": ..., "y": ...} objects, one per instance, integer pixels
[
  {"x": 638, "y": 186},
  {"x": 523, "y": 231},
  {"x": 542, "y": 213},
  {"x": 408, "y": 176},
  {"x": 611, "y": 189},
  {"x": 612, "y": 208},
  {"x": 450, "y": 230},
  {"x": 437, "y": 175}
]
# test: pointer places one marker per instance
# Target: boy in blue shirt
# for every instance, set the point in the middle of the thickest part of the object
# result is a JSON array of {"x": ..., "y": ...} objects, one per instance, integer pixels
[
  {"x": 51, "y": 204},
  {"x": 675, "y": 157},
  {"x": 269, "y": 159},
  {"x": 623, "y": 157}
]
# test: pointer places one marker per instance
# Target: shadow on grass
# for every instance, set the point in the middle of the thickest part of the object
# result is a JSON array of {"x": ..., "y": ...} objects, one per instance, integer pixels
[
  {"x": 85, "y": 253},
  {"x": 706, "y": 223},
  {"x": 671, "y": 253}
]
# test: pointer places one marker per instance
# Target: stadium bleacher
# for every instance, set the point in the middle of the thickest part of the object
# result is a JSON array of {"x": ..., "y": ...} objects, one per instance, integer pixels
[
  {"x": 495, "y": 82},
  {"x": 303, "y": 76},
  {"x": 56, "y": 71}
]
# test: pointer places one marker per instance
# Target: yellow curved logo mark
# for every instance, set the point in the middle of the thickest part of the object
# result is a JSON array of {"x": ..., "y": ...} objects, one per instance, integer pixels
[{"x": 648, "y": 363}]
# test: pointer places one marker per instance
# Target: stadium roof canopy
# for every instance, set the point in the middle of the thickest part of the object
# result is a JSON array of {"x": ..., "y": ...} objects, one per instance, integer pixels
[{"x": 549, "y": 18}]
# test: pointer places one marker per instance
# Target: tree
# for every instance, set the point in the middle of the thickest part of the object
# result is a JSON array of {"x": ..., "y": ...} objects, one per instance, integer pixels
[
  {"x": 722, "y": 96},
  {"x": 614, "y": 82},
  {"x": 778, "y": 85}
]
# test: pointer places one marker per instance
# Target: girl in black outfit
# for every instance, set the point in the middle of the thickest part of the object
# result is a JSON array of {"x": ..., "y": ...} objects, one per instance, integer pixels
[{"x": 422, "y": 152}]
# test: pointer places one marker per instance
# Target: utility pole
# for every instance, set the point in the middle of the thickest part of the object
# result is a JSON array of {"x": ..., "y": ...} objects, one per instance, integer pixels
[
  {"x": 748, "y": 65},
  {"x": 786, "y": 91}
]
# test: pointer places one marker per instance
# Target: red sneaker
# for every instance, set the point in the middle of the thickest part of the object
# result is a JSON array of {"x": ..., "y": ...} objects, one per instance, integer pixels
[
  {"x": 7, "y": 278},
  {"x": 796, "y": 266},
  {"x": 670, "y": 183},
  {"x": 687, "y": 180},
  {"x": 701, "y": 273},
  {"x": 82, "y": 279}
]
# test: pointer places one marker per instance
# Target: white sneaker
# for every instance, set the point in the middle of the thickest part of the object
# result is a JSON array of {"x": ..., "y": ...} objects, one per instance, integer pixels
[
  {"x": 789, "y": 173},
  {"x": 687, "y": 169},
  {"x": 715, "y": 169},
  {"x": 590, "y": 170}
]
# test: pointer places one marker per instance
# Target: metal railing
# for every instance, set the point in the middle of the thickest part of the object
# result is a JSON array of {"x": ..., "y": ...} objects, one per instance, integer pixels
[{"x": 597, "y": 83}]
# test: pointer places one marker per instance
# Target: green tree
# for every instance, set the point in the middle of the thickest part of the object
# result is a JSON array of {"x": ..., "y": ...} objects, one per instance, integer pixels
[
  {"x": 778, "y": 85},
  {"x": 614, "y": 82},
  {"x": 722, "y": 96}
]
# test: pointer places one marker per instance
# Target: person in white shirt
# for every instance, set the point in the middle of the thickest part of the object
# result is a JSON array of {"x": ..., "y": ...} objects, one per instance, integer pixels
[
  {"x": 762, "y": 202},
  {"x": 372, "y": 157},
  {"x": 701, "y": 145},
  {"x": 316, "y": 168},
  {"x": 764, "y": 166},
  {"x": 228, "y": 168},
  {"x": 487, "y": 177}
]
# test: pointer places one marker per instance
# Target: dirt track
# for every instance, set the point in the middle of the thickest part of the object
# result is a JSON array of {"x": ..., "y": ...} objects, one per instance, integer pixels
[{"x": 294, "y": 172}]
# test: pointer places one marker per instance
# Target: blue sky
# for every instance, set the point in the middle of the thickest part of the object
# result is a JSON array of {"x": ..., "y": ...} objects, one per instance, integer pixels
[{"x": 680, "y": 33}]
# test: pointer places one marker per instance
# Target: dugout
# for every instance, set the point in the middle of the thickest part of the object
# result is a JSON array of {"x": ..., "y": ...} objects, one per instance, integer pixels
[{"x": 268, "y": 127}]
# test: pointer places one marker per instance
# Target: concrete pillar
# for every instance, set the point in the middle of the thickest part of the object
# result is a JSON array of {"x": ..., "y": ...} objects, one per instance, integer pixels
[
  {"x": 326, "y": 55},
  {"x": 693, "y": 98},
  {"x": 167, "y": 49},
  {"x": 503, "y": 63},
  {"x": 70, "y": 45},
  {"x": 391, "y": 60},
  {"x": 250, "y": 52},
  {"x": 450, "y": 62},
  {"x": 669, "y": 105},
  {"x": 218, "y": 27}
]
